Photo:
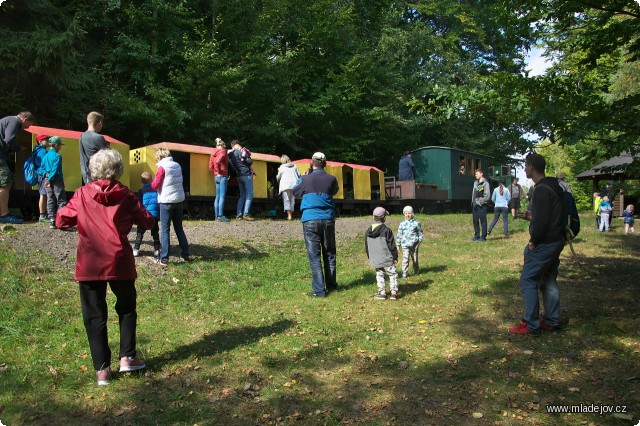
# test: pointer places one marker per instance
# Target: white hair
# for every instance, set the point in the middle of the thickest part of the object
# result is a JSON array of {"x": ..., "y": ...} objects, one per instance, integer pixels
[{"x": 106, "y": 164}]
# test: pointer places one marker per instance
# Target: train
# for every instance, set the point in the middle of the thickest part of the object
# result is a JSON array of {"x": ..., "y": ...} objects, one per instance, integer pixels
[{"x": 442, "y": 183}]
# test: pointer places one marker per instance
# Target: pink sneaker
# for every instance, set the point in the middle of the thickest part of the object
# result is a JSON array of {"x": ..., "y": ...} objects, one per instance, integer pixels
[
  {"x": 103, "y": 376},
  {"x": 129, "y": 363}
]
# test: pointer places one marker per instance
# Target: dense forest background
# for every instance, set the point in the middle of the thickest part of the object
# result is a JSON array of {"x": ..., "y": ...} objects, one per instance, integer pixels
[{"x": 361, "y": 80}]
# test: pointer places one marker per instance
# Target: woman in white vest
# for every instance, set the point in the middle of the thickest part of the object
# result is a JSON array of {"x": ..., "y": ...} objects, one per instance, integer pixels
[
  {"x": 168, "y": 183},
  {"x": 288, "y": 176}
]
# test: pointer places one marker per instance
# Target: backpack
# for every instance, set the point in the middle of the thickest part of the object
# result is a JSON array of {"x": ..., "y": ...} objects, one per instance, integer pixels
[
  {"x": 247, "y": 156},
  {"x": 29, "y": 168},
  {"x": 570, "y": 221},
  {"x": 570, "y": 218}
]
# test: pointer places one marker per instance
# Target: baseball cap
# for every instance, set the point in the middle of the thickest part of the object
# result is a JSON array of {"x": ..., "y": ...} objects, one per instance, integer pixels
[
  {"x": 55, "y": 140},
  {"x": 39, "y": 138},
  {"x": 380, "y": 212},
  {"x": 319, "y": 156}
]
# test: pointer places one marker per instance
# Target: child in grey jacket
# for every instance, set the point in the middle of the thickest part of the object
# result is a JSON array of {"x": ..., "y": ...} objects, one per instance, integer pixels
[{"x": 382, "y": 253}]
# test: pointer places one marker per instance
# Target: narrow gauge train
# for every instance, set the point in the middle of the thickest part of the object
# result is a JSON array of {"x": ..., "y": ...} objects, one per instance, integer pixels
[{"x": 362, "y": 187}]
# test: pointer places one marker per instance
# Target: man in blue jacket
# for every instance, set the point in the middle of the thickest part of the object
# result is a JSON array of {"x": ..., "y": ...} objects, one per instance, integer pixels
[
  {"x": 318, "y": 224},
  {"x": 406, "y": 168}
]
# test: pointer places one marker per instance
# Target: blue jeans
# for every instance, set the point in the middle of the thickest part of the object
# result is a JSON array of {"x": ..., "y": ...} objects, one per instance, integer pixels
[
  {"x": 245, "y": 185},
  {"x": 540, "y": 272},
  {"x": 496, "y": 216},
  {"x": 221, "y": 192},
  {"x": 480, "y": 215},
  {"x": 172, "y": 213},
  {"x": 320, "y": 241}
]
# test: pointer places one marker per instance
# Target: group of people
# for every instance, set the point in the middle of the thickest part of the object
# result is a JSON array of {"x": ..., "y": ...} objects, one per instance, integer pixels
[
  {"x": 239, "y": 159},
  {"x": 603, "y": 208},
  {"x": 503, "y": 198},
  {"x": 107, "y": 258}
]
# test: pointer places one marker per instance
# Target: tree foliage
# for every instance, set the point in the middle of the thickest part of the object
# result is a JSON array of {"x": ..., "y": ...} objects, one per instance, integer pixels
[{"x": 361, "y": 80}]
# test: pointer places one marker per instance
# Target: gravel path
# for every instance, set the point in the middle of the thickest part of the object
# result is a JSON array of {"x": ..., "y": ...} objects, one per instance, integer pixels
[{"x": 203, "y": 236}]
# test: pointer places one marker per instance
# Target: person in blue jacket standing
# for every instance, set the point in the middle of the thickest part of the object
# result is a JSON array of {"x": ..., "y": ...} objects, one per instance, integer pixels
[
  {"x": 317, "y": 189},
  {"x": 406, "y": 168}
]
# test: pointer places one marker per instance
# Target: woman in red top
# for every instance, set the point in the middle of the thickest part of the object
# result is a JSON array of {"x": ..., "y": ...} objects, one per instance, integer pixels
[
  {"x": 219, "y": 165},
  {"x": 104, "y": 211}
]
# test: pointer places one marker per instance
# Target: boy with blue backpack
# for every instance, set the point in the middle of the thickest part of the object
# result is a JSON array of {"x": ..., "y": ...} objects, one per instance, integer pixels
[
  {"x": 51, "y": 169},
  {"x": 149, "y": 199}
]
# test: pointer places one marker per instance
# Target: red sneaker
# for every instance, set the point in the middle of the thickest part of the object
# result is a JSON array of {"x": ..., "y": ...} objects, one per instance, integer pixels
[
  {"x": 546, "y": 327},
  {"x": 522, "y": 329}
]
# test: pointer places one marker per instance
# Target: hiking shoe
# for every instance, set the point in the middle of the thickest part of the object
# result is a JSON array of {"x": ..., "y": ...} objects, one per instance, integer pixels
[
  {"x": 522, "y": 329},
  {"x": 186, "y": 259},
  {"x": 161, "y": 262},
  {"x": 222, "y": 219},
  {"x": 546, "y": 327},
  {"x": 482, "y": 240},
  {"x": 52, "y": 224},
  {"x": 10, "y": 219},
  {"x": 44, "y": 219},
  {"x": 136, "y": 252},
  {"x": 380, "y": 296},
  {"x": 312, "y": 294},
  {"x": 248, "y": 218},
  {"x": 394, "y": 296},
  {"x": 103, "y": 376},
  {"x": 475, "y": 238},
  {"x": 156, "y": 253},
  {"x": 130, "y": 363}
]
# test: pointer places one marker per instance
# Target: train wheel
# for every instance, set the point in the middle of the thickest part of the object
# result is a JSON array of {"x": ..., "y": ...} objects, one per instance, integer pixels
[{"x": 194, "y": 209}]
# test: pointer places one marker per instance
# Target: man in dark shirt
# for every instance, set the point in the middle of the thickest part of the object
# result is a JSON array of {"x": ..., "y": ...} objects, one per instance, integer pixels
[
  {"x": 542, "y": 253},
  {"x": 479, "y": 198},
  {"x": 406, "y": 168},
  {"x": 9, "y": 129},
  {"x": 90, "y": 143},
  {"x": 318, "y": 224}
]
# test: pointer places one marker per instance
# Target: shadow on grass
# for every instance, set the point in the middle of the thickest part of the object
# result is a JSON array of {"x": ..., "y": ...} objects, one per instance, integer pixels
[
  {"x": 220, "y": 341},
  {"x": 205, "y": 253},
  {"x": 479, "y": 370}
]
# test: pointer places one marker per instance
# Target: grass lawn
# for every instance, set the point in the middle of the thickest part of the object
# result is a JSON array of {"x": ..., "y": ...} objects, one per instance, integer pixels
[{"x": 234, "y": 339}]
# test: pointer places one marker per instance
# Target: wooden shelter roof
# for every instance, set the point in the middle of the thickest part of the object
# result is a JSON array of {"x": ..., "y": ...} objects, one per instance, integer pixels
[{"x": 614, "y": 168}]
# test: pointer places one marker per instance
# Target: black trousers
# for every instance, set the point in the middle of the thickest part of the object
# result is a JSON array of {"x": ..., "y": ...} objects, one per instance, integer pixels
[
  {"x": 155, "y": 234},
  {"x": 93, "y": 299}
]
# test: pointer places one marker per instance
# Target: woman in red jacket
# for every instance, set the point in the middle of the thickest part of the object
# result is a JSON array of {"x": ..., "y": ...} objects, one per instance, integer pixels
[
  {"x": 219, "y": 165},
  {"x": 104, "y": 211}
]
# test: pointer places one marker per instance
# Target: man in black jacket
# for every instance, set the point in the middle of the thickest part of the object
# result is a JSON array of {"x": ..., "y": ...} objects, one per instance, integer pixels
[
  {"x": 9, "y": 129},
  {"x": 542, "y": 253}
]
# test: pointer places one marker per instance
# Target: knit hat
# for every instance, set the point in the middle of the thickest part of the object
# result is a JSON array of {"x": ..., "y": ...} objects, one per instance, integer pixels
[
  {"x": 407, "y": 209},
  {"x": 380, "y": 212}
]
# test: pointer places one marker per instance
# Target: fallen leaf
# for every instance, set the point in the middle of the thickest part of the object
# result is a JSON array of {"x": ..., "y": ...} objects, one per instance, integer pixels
[
  {"x": 574, "y": 389},
  {"x": 477, "y": 415}
]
